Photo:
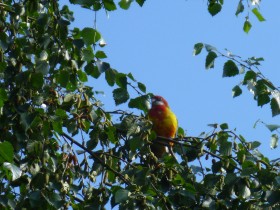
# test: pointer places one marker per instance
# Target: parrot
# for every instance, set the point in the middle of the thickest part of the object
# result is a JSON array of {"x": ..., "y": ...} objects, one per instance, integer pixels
[{"x": 165, "y": 123}]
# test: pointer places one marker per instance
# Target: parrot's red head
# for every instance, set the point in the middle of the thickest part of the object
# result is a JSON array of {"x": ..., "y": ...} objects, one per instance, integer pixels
[{"x": 159, "y": 101}]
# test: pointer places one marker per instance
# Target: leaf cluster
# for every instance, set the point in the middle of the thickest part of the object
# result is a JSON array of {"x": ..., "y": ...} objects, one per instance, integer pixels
[
  {"x": 250, "y": 6},
  {"x": 263, "y": 90}
]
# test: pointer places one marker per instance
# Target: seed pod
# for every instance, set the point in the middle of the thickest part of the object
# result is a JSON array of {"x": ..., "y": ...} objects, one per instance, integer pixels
[
  {"x": 259, "y": 165},
  {"x": 249, "y": 146},
  {"x": 47, "y": 178},
  {"x": 243, "y": 158}
]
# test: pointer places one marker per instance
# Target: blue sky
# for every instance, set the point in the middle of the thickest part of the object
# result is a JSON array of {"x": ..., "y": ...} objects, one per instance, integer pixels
[{"x": 155, "y": 44}]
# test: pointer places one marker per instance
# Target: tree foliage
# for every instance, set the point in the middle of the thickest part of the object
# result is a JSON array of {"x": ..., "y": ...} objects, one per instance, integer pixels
[{"x": 60, "y": 148}]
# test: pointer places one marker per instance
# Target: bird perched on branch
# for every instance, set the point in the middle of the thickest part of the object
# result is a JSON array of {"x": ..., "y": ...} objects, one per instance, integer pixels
[{"x": 165, "y": 124}]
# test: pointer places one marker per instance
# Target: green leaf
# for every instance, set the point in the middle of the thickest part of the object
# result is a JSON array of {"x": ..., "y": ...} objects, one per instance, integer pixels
[
  {"x": 130, "y": 76},
  {"x": 240, "y": 8},
  {"x": 272, "y": 197},
  {"x": 35, "y": 198},
  {"x": 250, "y": 75},
  {"x": 121, "y": 80},
  {"x": 236, "y": 91},
  {"x": 3, "y": 97},
  {"x": 274, "y": 107},
  {"x": 121, "y": 195},
  {"x": 92, "y": 70},
  {"x": 226, "y": 148},
  {"x": 247, "y": 26},
  {"x": 87, "y": 54},
  {"x": 214, "y": 8},
  {"x": 110, "y": 76},
  {"x": 82, "y": 76},
  {"x": 244, "y": 191},
  {"x": 90, "y": 36},
  {"x": 255, "y": 144},
  {"x": 42, "y": 67},
  {"x": 180, "y": 131},
  {"x": 6, "y": 152},
  {"x": 100, "y": 54},
  {"x": 111, "y": 133},
  {"x": 141, "y": 87},
  {"x": 135, "y": 143},
  {"x": 217, "y": 166},
  {"x": 63, "y": 78},
  {"x": 79, "y": 43},
  {"x": 248, "y": 168},
  {"x": 224, "y": 126},
  {"x": 263, "y": 99},
  {"x": 230, "y": 69},
  {"x": 210, "y": 58},
  {"x": 37, "y": 80},
  {"x": 141, "y": 102},
  {"x": 258, "y": 14},
  {"x": 57, "y": 126},
  {"x": 109, "y": 5},
  {"x": 3, "y": 65},
  {"x": 140, "y": 2},
  {"x": 120, "y": 95},
  {"x": 125, "y": 4},
  {"x": 274, "y": 141},
  {"x": 272, "y": 127},
  {"x": 197, "y": 48},
  {"x": 94, "y": 138}
]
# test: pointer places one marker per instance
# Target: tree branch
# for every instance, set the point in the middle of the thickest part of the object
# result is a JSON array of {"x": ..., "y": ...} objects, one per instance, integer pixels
[{"x": 95, "y": 156}]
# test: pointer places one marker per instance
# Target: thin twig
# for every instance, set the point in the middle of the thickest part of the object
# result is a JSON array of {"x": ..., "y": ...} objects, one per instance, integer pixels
[{"x": 97, "y": 159}]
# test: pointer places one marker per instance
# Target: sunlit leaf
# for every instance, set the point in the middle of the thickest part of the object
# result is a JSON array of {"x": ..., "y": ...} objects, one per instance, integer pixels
[
  {"x": 125, "y": 4},
  {"x": 87, "y": 54},
  {"x": 140, "y": 102},
  {"x": 82, "y": 76},
  {"x": 3, "y": 96},
  {"x": 6, "y": 152},
  {"x": 90, "y": 36},
  {"x": 247, "y": 26},
  {"x": 274, "y": 107},
  {"x": 258, "y": 14},
  {"x": 16, "y": 171}
]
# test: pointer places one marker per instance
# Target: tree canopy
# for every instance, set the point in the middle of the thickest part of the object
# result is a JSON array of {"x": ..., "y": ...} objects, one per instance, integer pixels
[{"x": 61, "y": 148}]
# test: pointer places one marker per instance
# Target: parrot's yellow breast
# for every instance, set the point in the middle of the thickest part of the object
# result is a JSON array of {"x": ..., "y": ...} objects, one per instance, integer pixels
[{"x": 164, "y": 121}]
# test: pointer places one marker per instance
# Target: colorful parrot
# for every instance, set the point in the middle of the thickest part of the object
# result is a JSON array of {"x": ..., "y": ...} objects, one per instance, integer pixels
[{"x": 164, "y": 121}]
